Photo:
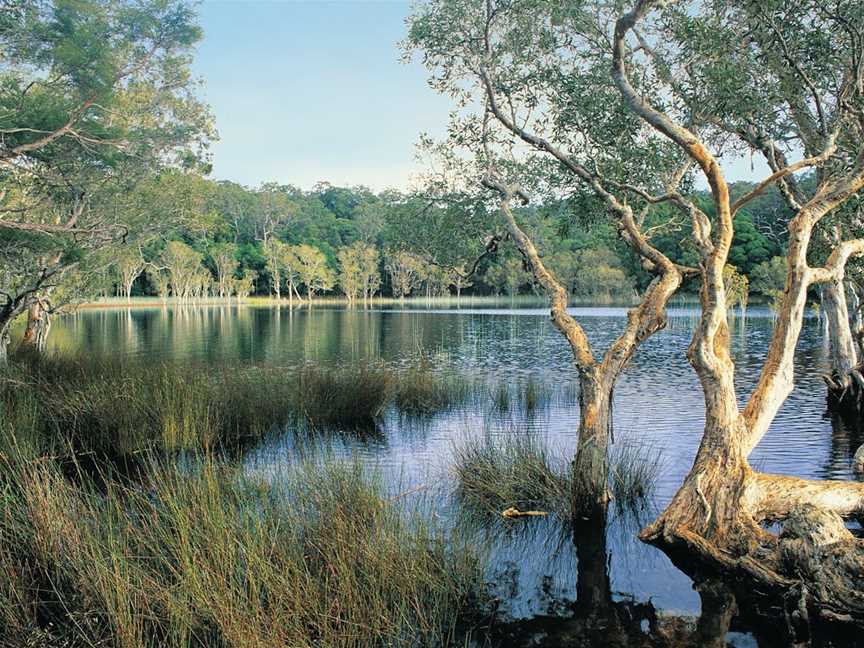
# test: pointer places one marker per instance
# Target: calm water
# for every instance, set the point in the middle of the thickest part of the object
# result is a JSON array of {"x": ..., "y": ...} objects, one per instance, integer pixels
[{"x": 658, "y": 401}]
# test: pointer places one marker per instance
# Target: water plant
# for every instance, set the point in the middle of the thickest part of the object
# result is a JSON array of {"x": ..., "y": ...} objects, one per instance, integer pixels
[{"x": 494, "y": 472}]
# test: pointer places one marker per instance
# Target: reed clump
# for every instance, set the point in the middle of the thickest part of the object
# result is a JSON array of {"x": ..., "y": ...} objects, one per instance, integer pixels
[
  {"x": 496, "y": 472},
  {"x": 421, "y": 392},
  {"x": 207, "y": 556}
]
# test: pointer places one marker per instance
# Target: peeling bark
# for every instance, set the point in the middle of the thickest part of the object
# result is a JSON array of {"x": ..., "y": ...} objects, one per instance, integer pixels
[
  {"x": 4, "y": 343},
  {"x": 846, "y": 382},
  {"x": 37, "y": 329},
  {"x": 716, "y": 516}
]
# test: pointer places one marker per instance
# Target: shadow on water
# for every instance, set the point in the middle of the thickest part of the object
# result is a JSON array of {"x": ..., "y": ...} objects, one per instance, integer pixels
[{"x": 600, "y": 616}]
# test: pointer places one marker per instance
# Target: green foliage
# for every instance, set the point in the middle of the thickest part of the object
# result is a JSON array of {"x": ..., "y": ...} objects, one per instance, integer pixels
[
  {"x": 737, "y": 287},
  {"x": 769, "y": 277}
]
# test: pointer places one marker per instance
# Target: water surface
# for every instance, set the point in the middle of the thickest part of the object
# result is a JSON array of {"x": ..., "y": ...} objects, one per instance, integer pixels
[{"x": 658, "y": 402}]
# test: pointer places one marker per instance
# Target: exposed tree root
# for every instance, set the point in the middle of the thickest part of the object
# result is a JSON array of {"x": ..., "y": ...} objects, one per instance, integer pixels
[
  {"x": 812, "y": 571},
  {"x": 846, "y": 393}
]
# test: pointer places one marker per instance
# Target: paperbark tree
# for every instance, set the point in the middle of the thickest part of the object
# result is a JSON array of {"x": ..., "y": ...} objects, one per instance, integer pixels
[
  {"x": 183, "y": 265},
  {"x": 717, "y": 514},
  {"x": 224, "y": 256},
  {"x": 405, "y": 273},
  {"x": 540, "y": 71},
  {"x": 358, "y": 270},
  {"x": 313, "y": 270},
  {"x": 129, "y": 264}
]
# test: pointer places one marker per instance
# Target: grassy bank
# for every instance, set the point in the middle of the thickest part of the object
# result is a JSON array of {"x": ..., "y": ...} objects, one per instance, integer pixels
[{"x": 203, "y": 556}]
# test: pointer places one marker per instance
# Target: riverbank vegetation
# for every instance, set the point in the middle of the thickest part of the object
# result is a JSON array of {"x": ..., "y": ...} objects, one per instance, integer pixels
[
  {"x": 201, "y": 554},
  {"x": 521, "y": 470},
  {"x": 128, "y": 520},
  {"x": 115, "y": 408}
]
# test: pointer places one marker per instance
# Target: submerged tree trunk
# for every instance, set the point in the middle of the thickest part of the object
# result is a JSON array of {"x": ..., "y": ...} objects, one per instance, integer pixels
[
  {"x": 590, "y": 466},
  {"x": 845, "y": 384}
]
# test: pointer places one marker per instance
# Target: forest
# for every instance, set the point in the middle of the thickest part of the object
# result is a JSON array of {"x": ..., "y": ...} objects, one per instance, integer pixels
[{"x": 247, "y": 430}]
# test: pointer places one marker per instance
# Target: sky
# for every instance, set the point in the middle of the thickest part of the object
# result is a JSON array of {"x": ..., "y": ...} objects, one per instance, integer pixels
[
  {"x": 305, "y": 91},
  {"x": 315, "y": 90}
]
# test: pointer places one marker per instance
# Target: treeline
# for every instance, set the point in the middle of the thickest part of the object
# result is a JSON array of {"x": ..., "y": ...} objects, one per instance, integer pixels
[{"x": 219, "y": 239}]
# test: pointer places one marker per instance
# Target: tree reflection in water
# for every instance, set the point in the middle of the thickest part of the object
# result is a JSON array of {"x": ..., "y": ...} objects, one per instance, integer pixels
[{"x": 601, "y": 617}]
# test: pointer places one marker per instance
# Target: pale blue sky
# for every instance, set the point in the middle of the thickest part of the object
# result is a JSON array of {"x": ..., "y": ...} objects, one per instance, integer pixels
[
  {"x": 314, "y": 90},
  {"x": 311, "y": 90}
]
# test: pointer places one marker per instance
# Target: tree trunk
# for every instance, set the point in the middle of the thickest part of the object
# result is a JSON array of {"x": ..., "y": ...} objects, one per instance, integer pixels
[
  {"x": 846, "y": 384},
  {"x": 38, "y": 326},
  {"x": 590, "y": 466},
  {"x": 4, "y": 341}
]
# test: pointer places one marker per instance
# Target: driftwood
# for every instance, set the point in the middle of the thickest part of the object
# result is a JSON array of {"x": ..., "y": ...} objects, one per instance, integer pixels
[{"x": 513, "y": 512}]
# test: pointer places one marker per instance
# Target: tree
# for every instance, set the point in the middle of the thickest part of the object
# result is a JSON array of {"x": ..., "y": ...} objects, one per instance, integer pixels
[
  {"x": 808, "y": 97},
  {"x": 737, "y": 287},
  {"x": 370, "y": 272},
  {"x": 405, "y": 272},
  {"x": 244, "y": 285},
  {"x": 599, "y": 275},
  {"x": 508, "y": 275},
  {"x": 313, "y": 270},
  {"x": 276, "y": 253},
  {"x": 129, "y": 264},
  {"x": 94, "y": 95},
  {"x": 358, "y": 270},
  {"x": 184, "y": 269},
  {"x": 540, "y": 72},
  {"x": 769, "y": 278},
  {"x": 224, "y": 257}
]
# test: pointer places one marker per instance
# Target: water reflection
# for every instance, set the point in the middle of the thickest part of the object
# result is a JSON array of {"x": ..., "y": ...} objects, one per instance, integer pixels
[{"x": 568, "y": 588}]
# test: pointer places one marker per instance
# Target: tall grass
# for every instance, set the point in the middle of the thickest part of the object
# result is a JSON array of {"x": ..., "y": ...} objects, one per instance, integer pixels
[
  {"x": 521, "y": 470},
  {"x": 208, "y": 557},
  {"x": 518, "y": 469},
  {"x": 421, "y": 392},
  {"x": 117, "y": 408}
]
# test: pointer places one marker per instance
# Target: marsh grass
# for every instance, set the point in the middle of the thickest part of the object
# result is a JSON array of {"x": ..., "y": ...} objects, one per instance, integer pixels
[
  {"x": 421, "y": 392},
  {"x": 633, "y": 472},
  {"x": 527, "y": 396},
  {"x": 495, "y": 472},
  {"x": 205, "y": 556},
  {"x": 116, "y": 408}
]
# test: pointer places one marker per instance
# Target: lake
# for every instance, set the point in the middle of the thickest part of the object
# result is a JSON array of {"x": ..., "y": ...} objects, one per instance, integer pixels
[{"x": 658, "y": 403}]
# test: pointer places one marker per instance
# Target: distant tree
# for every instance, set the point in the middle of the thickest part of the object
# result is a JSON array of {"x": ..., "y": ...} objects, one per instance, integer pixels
[
  {"x": 160, "y": 280},
  {"x": 312, "y": 269},
  {"x": 405, "y": 272},
  {"x": 275, "y": 252},
  {"x": 184, "y": 268},
  {"x": 508, "y": 276},
  {"x": 129, "y": 264},
  {"x": 769, "y": 278},
  {"x": 600, "y": 275},
  {"x": 737, "y": 287},
  {"x": 224, "y": 256},
  {"x": 244, "y": 286},
  {"x": 371, "y": 272},
  {"x": 358, "y": 270}
]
